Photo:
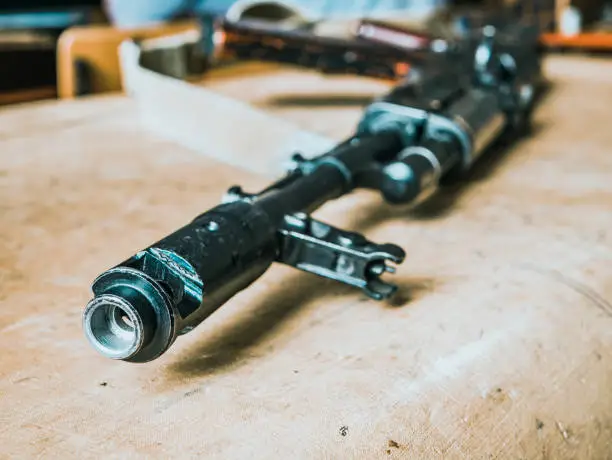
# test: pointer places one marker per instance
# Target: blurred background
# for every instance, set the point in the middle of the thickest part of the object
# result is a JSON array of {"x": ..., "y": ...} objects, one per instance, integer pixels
[{"x": 38, "y": 37}]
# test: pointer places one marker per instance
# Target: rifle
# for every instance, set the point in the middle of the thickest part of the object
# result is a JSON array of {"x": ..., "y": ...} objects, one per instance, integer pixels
[{"x": 432, "y": 126}]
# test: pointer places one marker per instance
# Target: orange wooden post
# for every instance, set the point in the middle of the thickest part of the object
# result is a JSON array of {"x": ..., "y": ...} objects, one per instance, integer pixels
[{"x": 97, "y": 46}]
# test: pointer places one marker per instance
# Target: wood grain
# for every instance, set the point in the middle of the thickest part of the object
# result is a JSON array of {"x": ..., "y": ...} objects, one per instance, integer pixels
[{"x": 499, "y": 346}]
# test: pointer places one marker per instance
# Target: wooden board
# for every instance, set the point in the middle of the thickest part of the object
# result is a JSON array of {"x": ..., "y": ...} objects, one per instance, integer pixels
[
  {"x": 206, "y": 120},
  {"x": 595, "y": 41},
  {"x": 499, "y": 345}
]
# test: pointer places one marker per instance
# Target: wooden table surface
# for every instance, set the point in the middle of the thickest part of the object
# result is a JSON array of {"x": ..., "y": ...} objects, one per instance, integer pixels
[{"x": 498, "y": 346}]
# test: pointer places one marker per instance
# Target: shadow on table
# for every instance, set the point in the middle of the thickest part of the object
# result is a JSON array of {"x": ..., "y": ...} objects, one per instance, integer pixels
[
  {"x": 231, "y": 345},
  {"x": 317, "y": 101}
]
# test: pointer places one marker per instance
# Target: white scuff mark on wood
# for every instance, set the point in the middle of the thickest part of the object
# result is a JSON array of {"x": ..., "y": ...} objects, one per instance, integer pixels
[
  {"x": 454, "y": 365},
  {"x": 563, "y": 431},
  {"x": 27, "y": 322}
]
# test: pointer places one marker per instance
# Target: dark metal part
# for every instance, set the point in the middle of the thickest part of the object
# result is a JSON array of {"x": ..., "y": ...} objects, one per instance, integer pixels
[
  {"x": 253, "y": 40},
  {"x": 347, "y": 257},
  {"x": 439, "y": 120}
]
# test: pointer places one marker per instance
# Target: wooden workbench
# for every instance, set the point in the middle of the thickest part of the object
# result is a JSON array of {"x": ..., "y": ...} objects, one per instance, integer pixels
[{"x": 498, "y": 346}]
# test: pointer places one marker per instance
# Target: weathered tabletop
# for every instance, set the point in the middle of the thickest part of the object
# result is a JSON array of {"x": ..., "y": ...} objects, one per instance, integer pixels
[{"x": 500, "y": 341}]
